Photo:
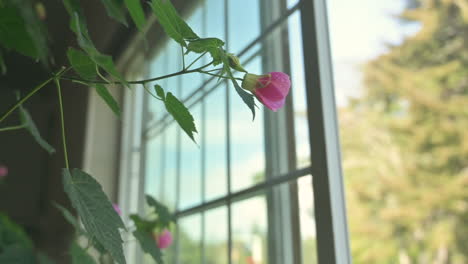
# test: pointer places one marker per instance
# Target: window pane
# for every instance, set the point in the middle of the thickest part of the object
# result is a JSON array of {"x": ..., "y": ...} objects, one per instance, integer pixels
[
  {"x": 247, "y": 140},
  {"x": 156, "y": 109},
  {"x": 189, "y": 240},
  {"x": 190, "y": 165},
  {"x": 170, "y": 176},
  {"x": 402, "y": 98},
  {"x": 216, "y": 236},
  {"x": 249, "y": 230},
  {"x": 215, "y": 146},
  {"x": 154, "y": 167},
  {"x": 298, "y": 89},
  {"x": 244, "y": 23},
  {"x": 307, "y": 218},
  {"x": 215, "y": 19}
]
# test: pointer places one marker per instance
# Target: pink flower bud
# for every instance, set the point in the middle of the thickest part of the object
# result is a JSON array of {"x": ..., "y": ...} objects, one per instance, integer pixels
[
  {"x": 270, "y": 89},
  {"x": 164, "y": 239},
  {"x": 117, "y": 209},
  {"x": 3, "y": 171}
]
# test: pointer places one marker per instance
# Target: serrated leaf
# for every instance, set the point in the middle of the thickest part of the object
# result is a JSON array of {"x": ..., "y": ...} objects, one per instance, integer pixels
[
  {"x": 174, "y": 26},
  {"x": 160, "y": 92},
  {"x": 142, "y": 224},
  {"x": 148, "y": 245},
  {"x": 82, "y": 64},
  {"x": 97, "y": 214},
  {"x": 115, "y": 10},
  {"x": 136, "y": 12},
  {"x": 181, "y": 114},
  {"x": 29, "y": 124},
  {"x": 14, "y": 33},
  {"x": 79, "y": 255},
  {"x": 108, "y": 98},
  {"x": 164, "y": 215},
  {"x": 204, "y": 44}
]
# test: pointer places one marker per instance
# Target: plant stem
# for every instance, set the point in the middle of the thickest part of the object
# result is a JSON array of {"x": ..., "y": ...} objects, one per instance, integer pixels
[
  {"x": 193, "y": 62},
  {"x": 35, "y": 90},
  {"x": 183, "y": 57},
  {"x": 20, "y": 102},
  {"x": 217, "y": 75},
  {"x": 3, "y": 129},
  {"x": 62, "y": 121},
  {"x": 141, "y": 81}
]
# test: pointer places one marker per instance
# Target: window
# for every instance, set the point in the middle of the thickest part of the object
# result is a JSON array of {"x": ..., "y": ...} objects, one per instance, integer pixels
[{"x": 243, "y": 193}]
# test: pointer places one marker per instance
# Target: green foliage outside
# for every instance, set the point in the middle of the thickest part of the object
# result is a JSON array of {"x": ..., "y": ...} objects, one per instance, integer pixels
[{"x": 405, "y": 145}]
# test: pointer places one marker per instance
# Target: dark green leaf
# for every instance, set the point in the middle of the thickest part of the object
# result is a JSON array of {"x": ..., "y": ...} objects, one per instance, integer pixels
[
  {"x": 204, "y": 44},
  {"x": 115, "y": 10},
  {"x": 160, "y": 92},
  {"x": 248, "y": 98},
  {"x": 82, "y": 64},
  {"x": 143, "y": 224},
  {"x": 15, "y": 245},
  {"x": 14, "y": 33},
  {"x": 95, "y": 210},
  {"x": 181, "y": 114},
  {"x": 108, "y": 98},
  {"x": 164, "y": 216},
  {"x": 148, "y": 245},
  {"x": 28, "y": 122},
  {"x": 136, "y": 12},
  {"x": 173, "y": 24},
  {"x": 79, "y": 255},
  {"x": 68, "y": 216},
  {"x": 17, "y": 254}
]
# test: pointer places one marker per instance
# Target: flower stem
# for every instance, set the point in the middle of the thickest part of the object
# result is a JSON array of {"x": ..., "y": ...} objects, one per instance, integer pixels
[
  {"x": 62, "y": 121},
  {"x": 3, "y": 129},
  {"x": 140, "y": 81},
  {"x": 193, "y": 62},
  {"x": 217, "y": 75},
  {"x": 183, "y": 57}
]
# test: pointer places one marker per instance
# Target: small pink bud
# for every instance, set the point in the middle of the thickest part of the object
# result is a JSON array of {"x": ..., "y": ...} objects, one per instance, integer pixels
[
  {"x": 270, "y": 89},
  {"x": 117, "y": 209},
  {"x": 163, "y": 240},
  {"x": 3, "y": 171}
]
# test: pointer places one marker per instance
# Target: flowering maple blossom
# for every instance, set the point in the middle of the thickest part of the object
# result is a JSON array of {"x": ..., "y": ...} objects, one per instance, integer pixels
[
  {"x": 3, "y": 171},
  {"x": 164, "y": 239},
  {"x": 270, "y": 89}
]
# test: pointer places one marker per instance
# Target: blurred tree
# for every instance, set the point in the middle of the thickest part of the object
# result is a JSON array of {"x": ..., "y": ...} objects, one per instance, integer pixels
[{"x": 405, "y": 144}]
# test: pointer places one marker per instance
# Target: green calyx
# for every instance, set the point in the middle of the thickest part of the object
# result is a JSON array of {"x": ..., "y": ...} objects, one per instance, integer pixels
[
  {"x": 250, "y": 82},
  {"x": 234, "y": 63}
]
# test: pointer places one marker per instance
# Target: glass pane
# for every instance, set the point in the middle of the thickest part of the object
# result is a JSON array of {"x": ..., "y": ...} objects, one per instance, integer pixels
[
  {"x": 244, "y": 23},
  {"x": 215, "y": 146},
  {"x": 247, "y": 140},
  {"x": 190, "y": 165},
  {"x": 170, "y": 168},
  {"x": 249, "y": 231},
  {"x": 216, "y": 236},
  {"x": 154, "y": 167},
  {"x": 301, "y": 124},
  {"x": 307, "y": 218},
  {"x": 215, "y": 19},
  {"x": 189, "y": 240},
  {"x": 401, "y": 82},
  {"x": 156, "y": 108}
]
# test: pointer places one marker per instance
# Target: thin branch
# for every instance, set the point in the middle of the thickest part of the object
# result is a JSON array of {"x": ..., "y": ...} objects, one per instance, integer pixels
[
  {"x": 3, "y": 129},
  {"x": 62, "y": 122},
  {"x": 199, "y": 57}
]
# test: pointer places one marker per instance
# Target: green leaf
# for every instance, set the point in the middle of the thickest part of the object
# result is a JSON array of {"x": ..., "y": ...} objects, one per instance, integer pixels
[
  {"x": 136, "y": 12},
  {"x": 164, "y": 216},
  {"x": 13, "y": 32},
  {"x": 15, "y": 245},
  {"x": 95, "y": 210},
  {"x": 248, "y": 98},
  {"x": 148, "y": 245},
  {"x": 160, "y": 92},
  {"x": 108, "y": 98},
  {"x": 174, "y": 26},
  {"x": 181, "y": 114},
  {"x": 68, "y": 216},
  {"x": 79, "y": 255},
  {"x": 211, "y": 45},
  {"x": 115, "y": 10},
  {"x": 17, "y": 254},
  {"x": 82, "y": 64},
  {"x": 143, "y": 224},
  {"x": 29, "y": 124}
]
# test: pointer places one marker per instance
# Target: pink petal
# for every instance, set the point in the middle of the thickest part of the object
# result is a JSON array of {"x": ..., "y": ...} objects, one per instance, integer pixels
[
  {"x": 3, "y": 171},
  {"x": 117, "y": 209},
  {"x": 164, "y": 240},
  {"x": 272, "y": 90}
]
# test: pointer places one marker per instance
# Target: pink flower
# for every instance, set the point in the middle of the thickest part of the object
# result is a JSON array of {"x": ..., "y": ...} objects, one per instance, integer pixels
[
  {"x": 3, "y": 171},
  {"x": 117, "y": 209},
  {"x": 163, "y": 240},
  {"x": 270, "y": 89}
]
